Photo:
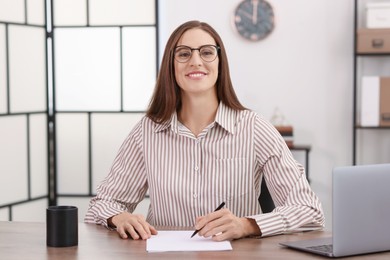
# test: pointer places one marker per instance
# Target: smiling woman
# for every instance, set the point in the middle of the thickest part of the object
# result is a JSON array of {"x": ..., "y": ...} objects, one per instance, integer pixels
[{"x": 199, "y": 146}]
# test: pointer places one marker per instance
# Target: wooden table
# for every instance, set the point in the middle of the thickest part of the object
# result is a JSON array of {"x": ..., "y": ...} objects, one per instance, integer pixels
[{"x": 22, "y": 240}]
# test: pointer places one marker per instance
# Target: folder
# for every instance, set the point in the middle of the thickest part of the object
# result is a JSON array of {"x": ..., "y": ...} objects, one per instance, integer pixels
[
  {"x": 385, "y": 102},
  {"x": 369, "y": 113}
]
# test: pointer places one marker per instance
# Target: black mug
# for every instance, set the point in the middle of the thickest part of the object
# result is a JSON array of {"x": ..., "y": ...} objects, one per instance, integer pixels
[{"x": 61, "y": 226}]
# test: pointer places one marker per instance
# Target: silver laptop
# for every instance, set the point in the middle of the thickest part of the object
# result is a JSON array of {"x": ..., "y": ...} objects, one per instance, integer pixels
[{"x": 361, "y": 213}]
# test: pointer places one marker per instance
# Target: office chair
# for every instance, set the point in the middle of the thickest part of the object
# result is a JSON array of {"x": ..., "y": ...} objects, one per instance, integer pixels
[{"x": 265, "y": 200}]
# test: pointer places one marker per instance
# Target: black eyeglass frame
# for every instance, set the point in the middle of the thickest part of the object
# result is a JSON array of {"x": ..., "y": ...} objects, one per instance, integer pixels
[{"x": 196, "y": 49}]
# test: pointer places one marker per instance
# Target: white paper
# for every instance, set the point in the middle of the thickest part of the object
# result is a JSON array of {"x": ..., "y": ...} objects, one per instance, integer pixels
[{"x": 166, "y": 241}]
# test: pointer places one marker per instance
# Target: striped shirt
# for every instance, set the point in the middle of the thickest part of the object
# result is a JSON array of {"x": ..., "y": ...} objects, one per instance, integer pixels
[{"x": 189, "y": 176}]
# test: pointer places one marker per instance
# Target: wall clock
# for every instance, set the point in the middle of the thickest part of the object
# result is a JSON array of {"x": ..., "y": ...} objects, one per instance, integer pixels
[{"x": 254, "y": 19}]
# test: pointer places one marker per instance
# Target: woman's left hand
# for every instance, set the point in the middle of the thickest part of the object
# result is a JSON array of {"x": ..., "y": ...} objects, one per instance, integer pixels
[{"x": 223, "y": 225}]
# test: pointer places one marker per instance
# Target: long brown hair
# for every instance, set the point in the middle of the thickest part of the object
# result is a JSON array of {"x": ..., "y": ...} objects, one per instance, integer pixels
[{"x": 166, "y": 98}]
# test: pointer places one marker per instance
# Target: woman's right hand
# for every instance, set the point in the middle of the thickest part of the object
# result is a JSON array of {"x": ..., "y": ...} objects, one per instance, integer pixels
[{"x": 131, "y": 224}]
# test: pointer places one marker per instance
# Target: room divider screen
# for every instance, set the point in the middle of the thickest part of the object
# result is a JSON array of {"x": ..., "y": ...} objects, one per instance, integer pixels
[
  {"x": 75, "y": 76},
  {"x": 23, "y": 110}
]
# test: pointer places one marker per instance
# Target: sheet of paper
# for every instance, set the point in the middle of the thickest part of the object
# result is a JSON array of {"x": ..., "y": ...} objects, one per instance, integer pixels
[{"x": 181, "y": 240}]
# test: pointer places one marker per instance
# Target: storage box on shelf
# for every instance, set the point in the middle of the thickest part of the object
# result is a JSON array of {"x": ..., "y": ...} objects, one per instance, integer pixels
[
  {"x": 373, "y": 40},
  {"x": 287, "y": 134}
]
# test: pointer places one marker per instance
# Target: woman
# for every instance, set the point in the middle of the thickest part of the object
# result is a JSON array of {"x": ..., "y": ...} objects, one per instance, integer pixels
[{"x": 198, "y": 146}]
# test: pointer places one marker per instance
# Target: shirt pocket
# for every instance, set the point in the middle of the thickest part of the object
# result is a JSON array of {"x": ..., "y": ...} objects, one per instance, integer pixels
[{"x": 231, "y": 179}]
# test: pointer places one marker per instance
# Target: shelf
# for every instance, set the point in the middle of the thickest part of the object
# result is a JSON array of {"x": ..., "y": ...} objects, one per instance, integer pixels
[
  {"x": 299, "y": 147},
  {"x": 365, "y": 49},
  {"x": 367, "y": 54},
  {"x": 372, "y": 127}
]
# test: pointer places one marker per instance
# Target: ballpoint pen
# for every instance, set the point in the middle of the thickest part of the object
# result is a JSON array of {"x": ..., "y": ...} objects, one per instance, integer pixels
[{"x": 219, "y": 207}]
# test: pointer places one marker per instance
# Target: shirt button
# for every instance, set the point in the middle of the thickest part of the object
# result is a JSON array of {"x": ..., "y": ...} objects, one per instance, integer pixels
[
  {"x": 195, "y": 195},
  {"x": 196, "y": 168}
]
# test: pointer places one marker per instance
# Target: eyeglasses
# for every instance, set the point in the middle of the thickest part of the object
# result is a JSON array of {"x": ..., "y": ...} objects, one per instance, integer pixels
[{"x": 207, "y": 53}]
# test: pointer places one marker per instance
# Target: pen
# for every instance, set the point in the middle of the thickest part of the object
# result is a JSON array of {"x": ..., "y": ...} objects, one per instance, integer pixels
[{"x": 219, "y": 207}]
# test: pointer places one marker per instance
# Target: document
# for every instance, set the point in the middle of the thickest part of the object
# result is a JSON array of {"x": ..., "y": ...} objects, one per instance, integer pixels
[
  {"x": 370, "y": 96},
  {"x": 166, "y": 241}
]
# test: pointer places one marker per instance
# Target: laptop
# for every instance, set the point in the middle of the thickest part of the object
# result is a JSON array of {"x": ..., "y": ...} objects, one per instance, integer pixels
[{"x": 361, "y": 213}]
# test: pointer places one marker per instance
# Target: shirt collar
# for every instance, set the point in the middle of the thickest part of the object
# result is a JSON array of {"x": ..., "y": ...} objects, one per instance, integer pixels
[
  {"x": 162, "y": 126},
  {"x": 225, "y": 117}
]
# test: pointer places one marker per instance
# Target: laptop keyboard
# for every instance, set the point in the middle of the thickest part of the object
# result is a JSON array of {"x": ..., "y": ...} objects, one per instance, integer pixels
[{"x": 322, "y": 248}]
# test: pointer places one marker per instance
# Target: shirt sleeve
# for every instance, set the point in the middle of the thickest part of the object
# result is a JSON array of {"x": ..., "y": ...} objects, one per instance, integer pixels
[
  {"x": 114, "y": 195},
  {"x": 296, "y": 205}
]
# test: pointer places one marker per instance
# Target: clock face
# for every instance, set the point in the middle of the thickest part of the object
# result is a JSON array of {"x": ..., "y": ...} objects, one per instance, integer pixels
[{"x": 254, "y": 19}]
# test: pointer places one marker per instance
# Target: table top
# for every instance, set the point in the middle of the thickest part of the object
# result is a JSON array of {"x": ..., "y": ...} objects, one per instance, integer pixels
[{"x": 27, "y": 240}]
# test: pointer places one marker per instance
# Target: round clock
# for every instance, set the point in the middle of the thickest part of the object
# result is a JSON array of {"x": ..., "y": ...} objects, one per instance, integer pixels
[{"x": 254, "y": 19}]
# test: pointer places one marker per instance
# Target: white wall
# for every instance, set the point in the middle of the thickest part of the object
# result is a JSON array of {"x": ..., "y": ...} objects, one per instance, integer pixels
[{"x": 304, "y": 67}]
